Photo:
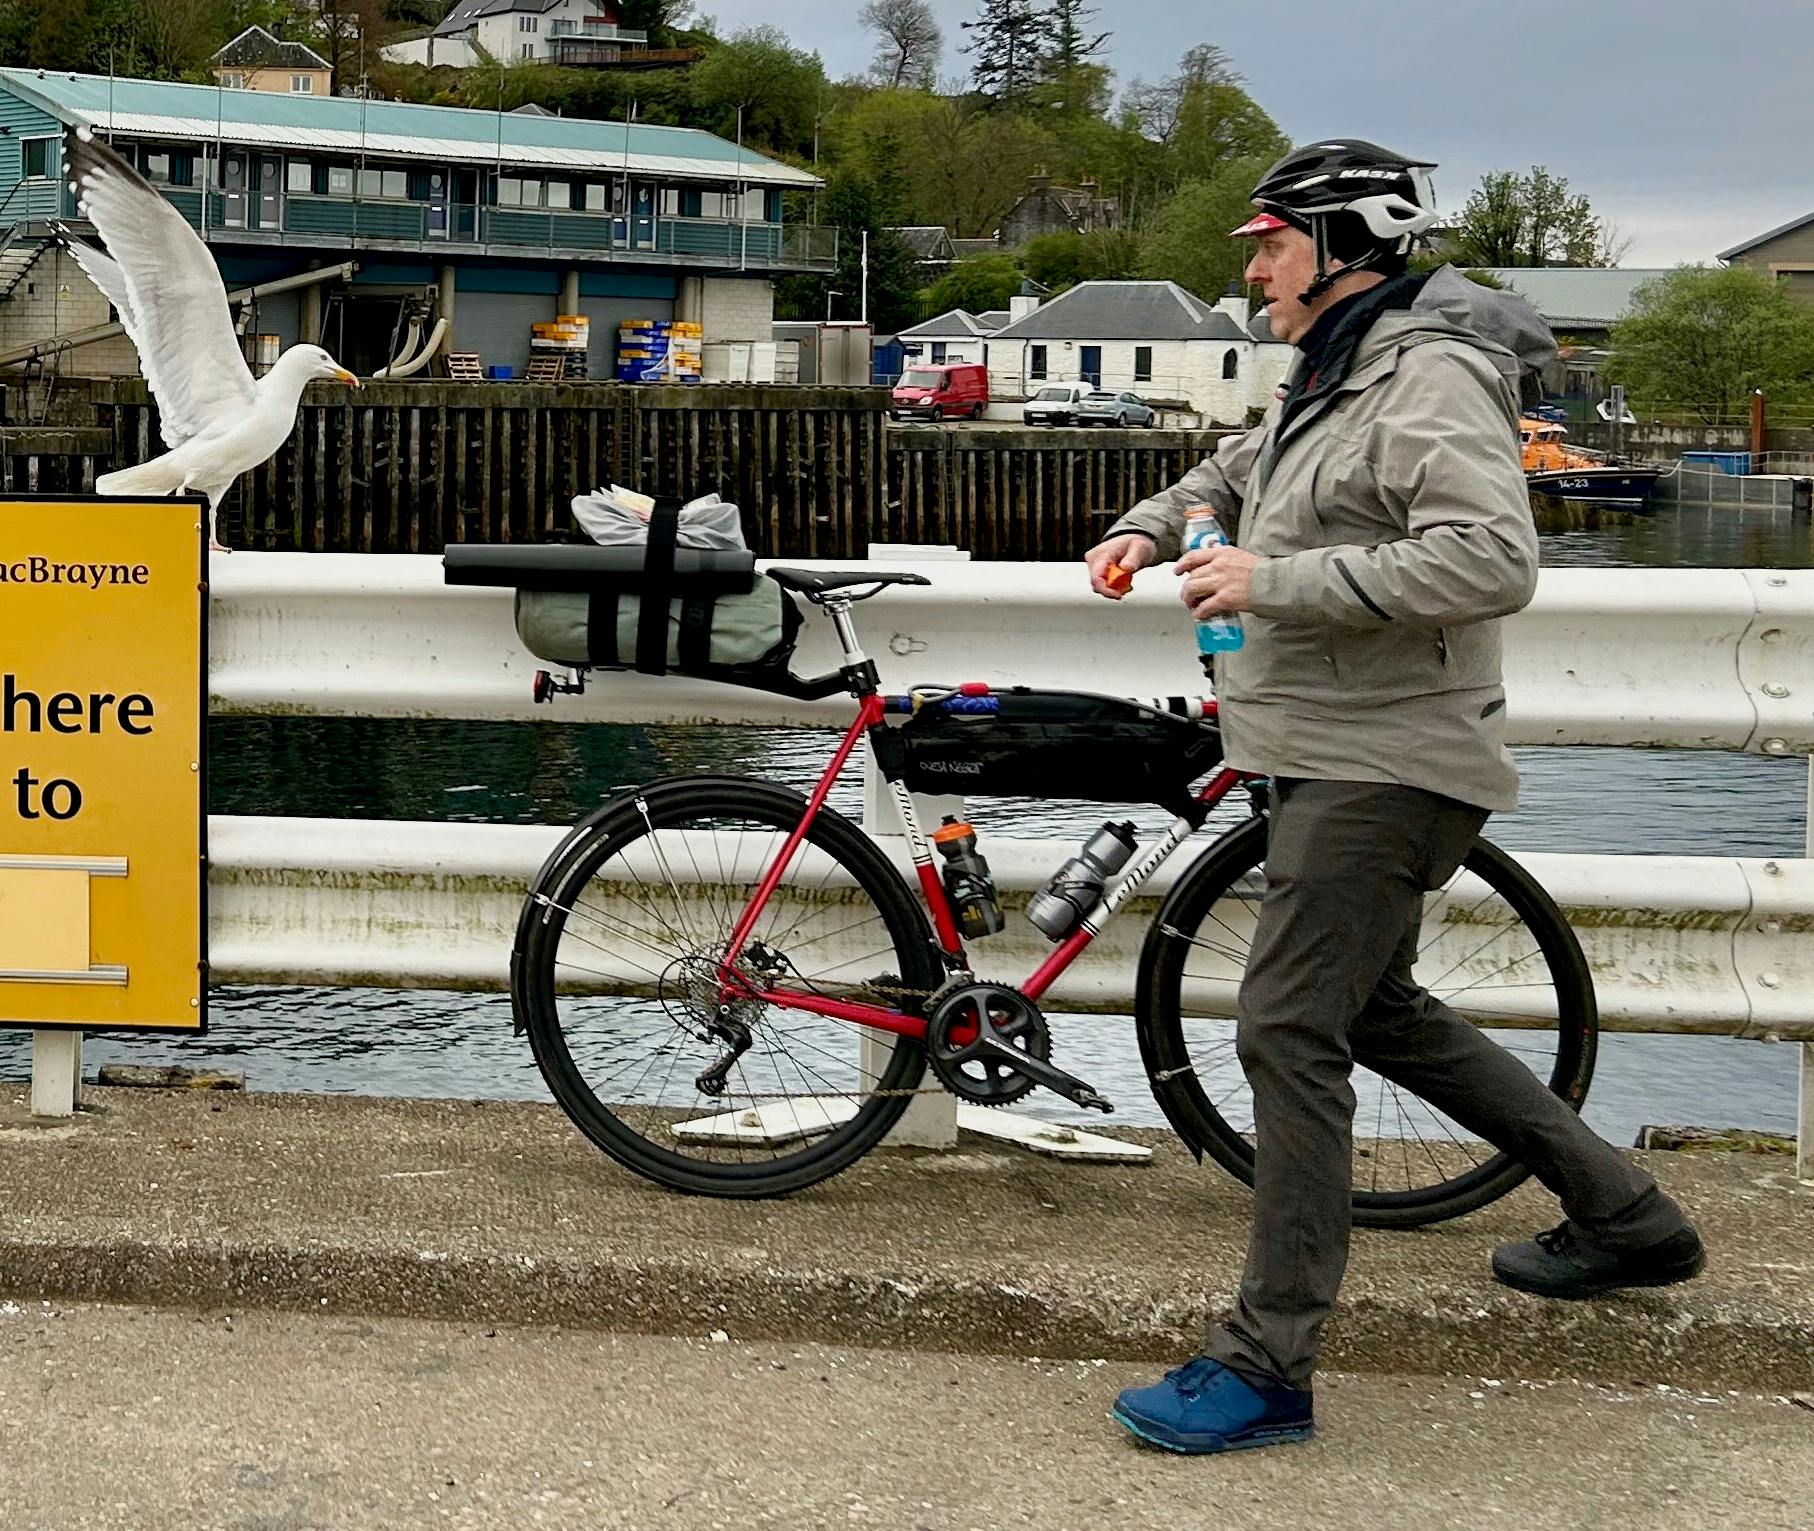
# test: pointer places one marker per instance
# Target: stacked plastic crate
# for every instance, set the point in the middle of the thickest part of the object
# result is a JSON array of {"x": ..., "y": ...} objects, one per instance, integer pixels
[
  {"x": 562, "y": 342},
  {"x": 659, "y": 351}
]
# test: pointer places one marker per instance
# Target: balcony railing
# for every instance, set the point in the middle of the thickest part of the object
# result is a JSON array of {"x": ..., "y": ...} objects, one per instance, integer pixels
[
  {"x": 602, "y": 31},
  {"x": 719, "y": 241}
]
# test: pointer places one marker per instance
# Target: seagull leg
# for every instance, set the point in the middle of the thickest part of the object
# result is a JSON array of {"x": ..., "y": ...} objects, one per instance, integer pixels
[{"x": 215, "y": 545}]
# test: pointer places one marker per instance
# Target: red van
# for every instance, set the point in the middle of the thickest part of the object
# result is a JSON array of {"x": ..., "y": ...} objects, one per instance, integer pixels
[{"x": 952, "y": 391}]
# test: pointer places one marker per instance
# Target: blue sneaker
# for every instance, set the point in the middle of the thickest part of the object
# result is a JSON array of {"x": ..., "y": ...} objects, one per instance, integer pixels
[{"x": 1204, "y": 1406}]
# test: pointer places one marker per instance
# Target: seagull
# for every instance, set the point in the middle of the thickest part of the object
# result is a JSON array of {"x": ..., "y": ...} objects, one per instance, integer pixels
[{"x": 217, "y": 420}]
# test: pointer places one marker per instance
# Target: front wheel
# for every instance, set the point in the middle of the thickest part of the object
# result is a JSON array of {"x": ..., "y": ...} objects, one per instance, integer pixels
[
  {"x": 1494, "y": 948},
  {"x": 936, "y": 415},
  {"x": 617, "y": 979}
]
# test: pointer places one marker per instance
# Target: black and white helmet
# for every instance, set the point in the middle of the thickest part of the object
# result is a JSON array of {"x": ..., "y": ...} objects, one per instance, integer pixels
[{"x": 1362, "y": 204}]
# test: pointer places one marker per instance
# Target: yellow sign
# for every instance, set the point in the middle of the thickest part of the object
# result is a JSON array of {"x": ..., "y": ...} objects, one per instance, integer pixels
[{"x": 103, "y": 713}]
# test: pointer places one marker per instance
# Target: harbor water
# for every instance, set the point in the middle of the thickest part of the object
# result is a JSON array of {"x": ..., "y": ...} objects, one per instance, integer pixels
[{"x": 424, "y": 1043}]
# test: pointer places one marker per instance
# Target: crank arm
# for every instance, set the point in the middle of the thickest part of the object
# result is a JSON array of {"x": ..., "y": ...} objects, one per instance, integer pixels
[{"x": 1053, "y": 1078}]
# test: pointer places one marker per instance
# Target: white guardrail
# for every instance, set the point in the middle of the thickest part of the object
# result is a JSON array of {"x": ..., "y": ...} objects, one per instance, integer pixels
[{"x": 1660, "y": 658}]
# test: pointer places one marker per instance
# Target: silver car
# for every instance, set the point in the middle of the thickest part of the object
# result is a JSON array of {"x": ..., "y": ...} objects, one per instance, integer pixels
[{"x": 1102, "y": 408}]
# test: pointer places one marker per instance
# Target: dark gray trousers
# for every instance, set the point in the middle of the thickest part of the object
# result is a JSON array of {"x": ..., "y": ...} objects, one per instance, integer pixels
[{"x": 1329, "y": 984}]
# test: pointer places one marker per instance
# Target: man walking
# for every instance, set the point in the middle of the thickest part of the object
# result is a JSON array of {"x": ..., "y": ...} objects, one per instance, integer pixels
[{"x": 1381, "y": 528}]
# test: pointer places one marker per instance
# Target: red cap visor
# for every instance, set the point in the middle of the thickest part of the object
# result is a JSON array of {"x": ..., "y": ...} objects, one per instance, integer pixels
[{"x": 1260, "y": 223}]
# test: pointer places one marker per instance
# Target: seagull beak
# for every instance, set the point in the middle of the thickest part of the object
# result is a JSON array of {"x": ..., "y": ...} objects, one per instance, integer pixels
[{"x": 343, "y": 376}]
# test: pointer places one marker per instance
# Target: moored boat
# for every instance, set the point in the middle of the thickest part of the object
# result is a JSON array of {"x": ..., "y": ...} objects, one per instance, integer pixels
[{"x": 1552, "y": 466}]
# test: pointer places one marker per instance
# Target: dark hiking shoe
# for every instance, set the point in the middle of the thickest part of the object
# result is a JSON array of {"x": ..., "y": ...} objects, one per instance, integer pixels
[
  {"x": 1204, "y": 1406},
  {"x": 1560, "y": 1263}
]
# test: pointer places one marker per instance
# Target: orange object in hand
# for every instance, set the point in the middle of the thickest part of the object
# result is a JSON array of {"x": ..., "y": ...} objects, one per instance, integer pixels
[{"x": 1118, "y": 579}]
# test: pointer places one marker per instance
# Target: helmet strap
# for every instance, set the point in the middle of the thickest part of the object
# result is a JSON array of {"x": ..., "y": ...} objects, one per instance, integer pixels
[{"x": 1325, "y": 278}]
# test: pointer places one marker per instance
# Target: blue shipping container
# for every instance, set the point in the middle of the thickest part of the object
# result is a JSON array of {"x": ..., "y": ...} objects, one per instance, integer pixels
[{"x": 1736, "y": 463}]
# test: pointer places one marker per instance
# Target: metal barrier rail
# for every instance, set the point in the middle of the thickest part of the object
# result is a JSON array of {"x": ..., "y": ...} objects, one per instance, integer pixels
[{"x": 1688, "y": 659}]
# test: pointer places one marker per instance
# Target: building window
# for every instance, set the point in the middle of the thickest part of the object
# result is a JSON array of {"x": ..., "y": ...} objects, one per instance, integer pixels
[
  {"x": 340, "y": 180},
  {"x": 510, "y": 191},
  {"x": 1143, "y": 364},
  {"x": 938, "y": 353},
  {"x": 301, "y": 175},
  {"x": 596, "y": 197},
  {"x": 529, "y": 23},
  {"x": 1231, "y": 364},
  {"x": 233, "y": 81},
  {"x": 560, "y": 194},
  {"x": 302, "y": 85},
  {"x": 527, "y": 51},
  {"x": 156, "y": 166},
  {"x": 37, "y": 158},
  {"x": 1036, "y": 363},
  {"x": 396, "y": 184}
]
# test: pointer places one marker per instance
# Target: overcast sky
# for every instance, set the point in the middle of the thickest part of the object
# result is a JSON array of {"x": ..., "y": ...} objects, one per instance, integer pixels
[{"x": 1689, "y": 123}]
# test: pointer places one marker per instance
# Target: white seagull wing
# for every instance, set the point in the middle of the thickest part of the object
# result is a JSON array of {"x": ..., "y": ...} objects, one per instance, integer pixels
[{"x": 175, "y": 307}]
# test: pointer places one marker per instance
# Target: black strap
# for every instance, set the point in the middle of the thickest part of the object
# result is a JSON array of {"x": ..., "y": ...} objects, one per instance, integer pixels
[
  {"x": 695, "y": 646},
  {"x": 601, "y": 628},
  {"x": 657, "y": 589}
]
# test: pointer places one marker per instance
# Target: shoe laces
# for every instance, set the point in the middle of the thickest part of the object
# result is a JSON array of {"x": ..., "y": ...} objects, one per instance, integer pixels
[{"x": 1558, "y": 1240}]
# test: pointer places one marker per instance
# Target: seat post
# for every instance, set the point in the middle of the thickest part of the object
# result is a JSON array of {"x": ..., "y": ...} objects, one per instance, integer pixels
[{"x": 837, "y": 607}]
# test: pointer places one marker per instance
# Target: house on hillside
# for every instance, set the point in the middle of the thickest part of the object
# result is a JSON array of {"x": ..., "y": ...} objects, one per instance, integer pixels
[
  {"x": 366, "y": 212},
  {"x": 1785, "y": 252},
  {"x": 970, "y": 249},
  {"x": 1152, "y": 338},
  {"x": 257, "y": 60},
  {"x": 573, "y": 33},
  {"x": 929, "y": 244},
  {"x": 1047, "y": 209}
]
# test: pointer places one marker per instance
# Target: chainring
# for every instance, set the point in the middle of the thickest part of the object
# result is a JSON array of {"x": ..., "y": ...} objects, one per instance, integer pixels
[{"x": 972, "y": 1035}]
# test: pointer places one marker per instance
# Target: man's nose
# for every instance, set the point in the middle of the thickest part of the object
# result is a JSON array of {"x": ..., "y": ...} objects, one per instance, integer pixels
[{"x": 1255, "y": 273}]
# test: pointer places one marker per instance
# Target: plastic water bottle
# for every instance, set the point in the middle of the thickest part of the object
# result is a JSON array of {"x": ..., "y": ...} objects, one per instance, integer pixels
[
  {"x": 1215, "y": 635},
  {"x": 1073, "y": 889}
]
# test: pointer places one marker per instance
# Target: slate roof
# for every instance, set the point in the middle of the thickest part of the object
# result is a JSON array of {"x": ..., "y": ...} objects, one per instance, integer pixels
[
  {"x": 255, "y": 48},
  {"x": 1125, "y": 311},
  {"x": 927, "y": 241},
  {"x": 466, "y": 13},
  {"x": 955, "y": 324},
  {"x": 964, "y": 249},
  {"x": 1261, "y": 329},
  {"x": 1576, "y": 297}
]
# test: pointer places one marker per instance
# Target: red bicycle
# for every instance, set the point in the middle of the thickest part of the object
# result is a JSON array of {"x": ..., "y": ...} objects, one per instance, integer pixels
[{"x": 731, "y": 989}]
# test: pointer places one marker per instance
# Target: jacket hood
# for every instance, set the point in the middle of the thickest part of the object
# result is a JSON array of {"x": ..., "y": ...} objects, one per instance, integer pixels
[{"x": 1503, "y": 325}]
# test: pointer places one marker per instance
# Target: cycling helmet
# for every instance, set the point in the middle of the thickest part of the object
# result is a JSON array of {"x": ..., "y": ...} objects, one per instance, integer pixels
[{"x": 1363, "y": 205}]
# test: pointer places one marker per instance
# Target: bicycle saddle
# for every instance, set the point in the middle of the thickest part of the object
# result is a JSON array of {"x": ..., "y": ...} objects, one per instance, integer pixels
[{"x": 813, "y": 583}]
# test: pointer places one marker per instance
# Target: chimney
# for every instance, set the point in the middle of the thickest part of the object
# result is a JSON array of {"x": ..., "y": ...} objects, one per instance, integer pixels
[
  {"x": 1039, "y": 180},
  {"x": 1020, "y": 305},
  {"x": 1234, "y": 303}
]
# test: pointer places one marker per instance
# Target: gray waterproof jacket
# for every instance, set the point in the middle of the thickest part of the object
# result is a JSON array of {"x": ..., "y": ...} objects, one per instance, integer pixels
[{"x": 1394, "y": 529}]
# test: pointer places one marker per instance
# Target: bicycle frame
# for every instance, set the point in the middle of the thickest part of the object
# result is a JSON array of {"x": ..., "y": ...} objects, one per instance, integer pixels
[{"x": 872, "y": 710}]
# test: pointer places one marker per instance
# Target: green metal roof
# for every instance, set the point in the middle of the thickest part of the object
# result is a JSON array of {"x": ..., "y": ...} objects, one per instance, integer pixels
[{"x": 346, "y": 124}]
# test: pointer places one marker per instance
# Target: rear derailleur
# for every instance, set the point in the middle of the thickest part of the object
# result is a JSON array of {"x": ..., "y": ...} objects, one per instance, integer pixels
[{"x": 990, "y": 1044}]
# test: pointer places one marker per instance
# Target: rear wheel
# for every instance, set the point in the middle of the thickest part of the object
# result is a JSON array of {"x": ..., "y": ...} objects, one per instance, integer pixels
[
  {"x": 618, "y": 983},
  {"x": 977, "y": 412},
  {"x": 1494, "y": 948}
]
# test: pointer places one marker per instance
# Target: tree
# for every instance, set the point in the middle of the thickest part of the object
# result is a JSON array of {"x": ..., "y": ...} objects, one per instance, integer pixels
[
  {"x": 1531, "y": 220},
  {"x": 1008, "y": 42},
  {"x": 1064, "y": 259},
  {"x": 1074, "y": 81},
  {"x": 774, "y": 86},
  {"x": 976, "y": 285},
  {"x": 1156, "y": 109},
  {"x": 1189, "y": 241},
  {"x": 908, "y": 41},
  {"x": 1704, "y": 340},
  {"x": 852, "y": 207}
]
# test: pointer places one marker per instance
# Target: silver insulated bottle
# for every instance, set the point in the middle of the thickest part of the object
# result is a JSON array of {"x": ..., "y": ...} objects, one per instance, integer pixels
[{"x": 1074, "y": 888}]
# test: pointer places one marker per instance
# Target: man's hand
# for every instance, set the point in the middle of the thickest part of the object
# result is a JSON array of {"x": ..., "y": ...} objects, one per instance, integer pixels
[
  {"x": 1131, "y": 550},
  {"x": 1218, "y": 581}
]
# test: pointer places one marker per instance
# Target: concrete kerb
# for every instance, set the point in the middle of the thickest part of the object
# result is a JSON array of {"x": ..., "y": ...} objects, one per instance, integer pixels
[{"x": 501, "y": 1212}]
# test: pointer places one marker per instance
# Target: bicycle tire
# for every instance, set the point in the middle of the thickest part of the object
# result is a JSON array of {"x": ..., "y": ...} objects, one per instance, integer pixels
[
  {"x": 1205, "y": 1129},
  {"x": 632, "y": 816}
]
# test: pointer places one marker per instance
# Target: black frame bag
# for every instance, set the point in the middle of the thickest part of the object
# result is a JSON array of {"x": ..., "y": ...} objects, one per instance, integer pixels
[{"x": 1058, "y": 744}]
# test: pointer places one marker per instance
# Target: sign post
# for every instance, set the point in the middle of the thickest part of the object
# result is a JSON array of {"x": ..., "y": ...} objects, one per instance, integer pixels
[{"x": 103, "y": 815}]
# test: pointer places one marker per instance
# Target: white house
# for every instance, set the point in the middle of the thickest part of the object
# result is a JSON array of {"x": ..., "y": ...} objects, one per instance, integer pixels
[
  {"x": 551, "y": 31},
  {"x": 1152, "y": 338},
  {"x": 952, "y": 337}
]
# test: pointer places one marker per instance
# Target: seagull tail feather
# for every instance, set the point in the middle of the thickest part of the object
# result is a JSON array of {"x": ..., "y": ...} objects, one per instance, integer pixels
[{"x": 160, "y": 476}]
